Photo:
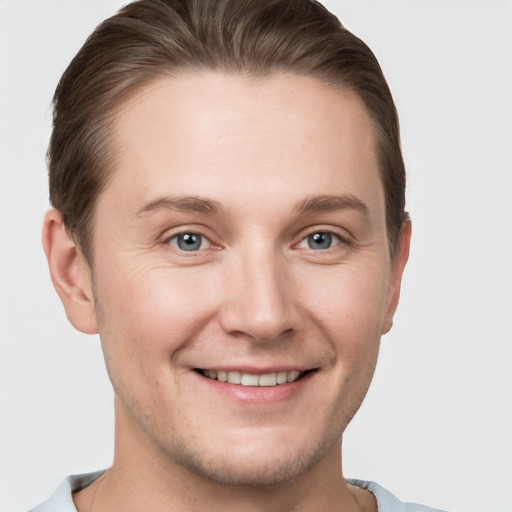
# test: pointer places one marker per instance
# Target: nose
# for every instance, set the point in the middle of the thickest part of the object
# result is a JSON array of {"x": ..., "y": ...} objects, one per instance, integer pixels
[{"x": 258, "y": 304}]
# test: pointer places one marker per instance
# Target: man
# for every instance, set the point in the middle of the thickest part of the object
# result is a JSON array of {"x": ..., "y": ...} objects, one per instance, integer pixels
[{"x": 228, "y": 195}]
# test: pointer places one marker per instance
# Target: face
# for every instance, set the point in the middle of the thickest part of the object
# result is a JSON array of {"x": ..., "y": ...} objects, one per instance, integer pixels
[{"x": 241, "y": 273}]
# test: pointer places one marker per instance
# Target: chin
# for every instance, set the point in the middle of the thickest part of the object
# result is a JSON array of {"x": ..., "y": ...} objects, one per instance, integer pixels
[
  {"x": 254, "y": 464},
  {"x": 253, "y": 473}
]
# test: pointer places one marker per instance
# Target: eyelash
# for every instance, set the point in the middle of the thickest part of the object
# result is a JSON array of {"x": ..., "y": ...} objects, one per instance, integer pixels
[{"x": 336, "y": 238}]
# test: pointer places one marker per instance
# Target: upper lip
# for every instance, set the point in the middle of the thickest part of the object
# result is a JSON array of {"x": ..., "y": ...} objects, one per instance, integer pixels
[{"x": 256, "y": 370}]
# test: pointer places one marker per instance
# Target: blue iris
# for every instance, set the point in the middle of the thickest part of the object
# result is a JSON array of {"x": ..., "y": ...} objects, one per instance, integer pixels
[{"x": 319, "y": 241}]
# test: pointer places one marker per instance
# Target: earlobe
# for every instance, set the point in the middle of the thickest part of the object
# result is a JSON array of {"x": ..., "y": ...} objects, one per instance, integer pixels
[
  {"x": 397, "y": 270},
  {"x": 70, "y": 274}
]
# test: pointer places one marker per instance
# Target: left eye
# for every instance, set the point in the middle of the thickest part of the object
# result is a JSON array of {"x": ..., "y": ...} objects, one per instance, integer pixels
[
  {"x": 189, "y": 242},
  {"x": 320, "y": 241}
]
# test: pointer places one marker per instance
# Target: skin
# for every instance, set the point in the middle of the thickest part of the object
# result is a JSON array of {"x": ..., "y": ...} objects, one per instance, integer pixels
[{"x": 268, "y": 156}]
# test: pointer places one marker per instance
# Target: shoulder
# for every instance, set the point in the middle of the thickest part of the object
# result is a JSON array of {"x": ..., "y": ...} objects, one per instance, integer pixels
[
  {"x": 386, "y": 501},
  {"x": 62, "y": 499}
]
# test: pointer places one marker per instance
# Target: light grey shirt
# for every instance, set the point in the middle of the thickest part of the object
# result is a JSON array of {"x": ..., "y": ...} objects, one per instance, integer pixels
[{"x": 62, "y": 501}]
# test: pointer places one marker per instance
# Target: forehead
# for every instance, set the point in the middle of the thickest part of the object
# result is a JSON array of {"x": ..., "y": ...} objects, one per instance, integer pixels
[{"x": 212, "y": 133}]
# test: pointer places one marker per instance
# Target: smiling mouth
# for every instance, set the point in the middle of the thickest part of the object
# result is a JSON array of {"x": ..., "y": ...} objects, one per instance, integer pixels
[{"x": 252, "y": 379}]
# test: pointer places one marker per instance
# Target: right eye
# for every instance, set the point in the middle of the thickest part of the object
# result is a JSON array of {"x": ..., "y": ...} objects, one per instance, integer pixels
[{"x": 189, "y": 242}]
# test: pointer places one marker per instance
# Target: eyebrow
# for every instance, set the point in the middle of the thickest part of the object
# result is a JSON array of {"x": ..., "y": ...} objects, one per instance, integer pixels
[
  {"x": 317, "y": 203},
  {"x": 331, "y": 203},
  {"x": 183, "y": 204}
]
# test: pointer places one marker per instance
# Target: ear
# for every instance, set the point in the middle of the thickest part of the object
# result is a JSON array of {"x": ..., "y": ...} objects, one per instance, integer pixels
[
  {"x": 397, "y": 270},
  {"x": 70, "y": 274}
]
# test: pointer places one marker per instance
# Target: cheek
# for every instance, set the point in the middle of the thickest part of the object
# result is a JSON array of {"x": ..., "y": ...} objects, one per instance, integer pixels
[
  {"x": 349, "y": 303},
  {"x": 145, "y": 318},
  {"x": 153, "y": 310},
  {"x": 344, "y": 307}
]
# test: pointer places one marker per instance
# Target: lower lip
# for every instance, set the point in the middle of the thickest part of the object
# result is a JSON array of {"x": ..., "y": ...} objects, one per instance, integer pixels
[{"x": 257, "y": 394}]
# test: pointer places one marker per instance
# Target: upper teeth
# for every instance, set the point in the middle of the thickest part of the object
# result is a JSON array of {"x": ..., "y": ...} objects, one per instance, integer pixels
[{"x": 251, "y": 379}]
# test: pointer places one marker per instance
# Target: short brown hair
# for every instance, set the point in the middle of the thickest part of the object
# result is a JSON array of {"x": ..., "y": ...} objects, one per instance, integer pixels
[{"x": 149, "y": 39}]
